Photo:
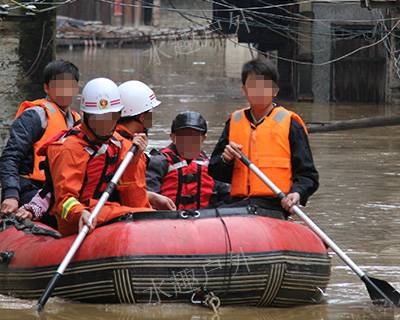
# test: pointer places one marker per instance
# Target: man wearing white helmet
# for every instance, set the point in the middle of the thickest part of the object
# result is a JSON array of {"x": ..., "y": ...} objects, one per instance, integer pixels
[
  {"x": 136, "y": 118},
  {"x": 83, "y": 160}
]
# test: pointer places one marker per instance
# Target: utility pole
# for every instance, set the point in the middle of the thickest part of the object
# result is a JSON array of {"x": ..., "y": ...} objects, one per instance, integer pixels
[{"x": 156, "y": 19}]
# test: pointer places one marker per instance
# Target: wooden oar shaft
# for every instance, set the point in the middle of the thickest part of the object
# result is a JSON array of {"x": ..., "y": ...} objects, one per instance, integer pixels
[{"x": 82, "y": 234}]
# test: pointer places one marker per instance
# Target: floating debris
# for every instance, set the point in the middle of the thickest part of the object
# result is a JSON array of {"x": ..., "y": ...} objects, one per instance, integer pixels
[{"x": 78, "y": 33}]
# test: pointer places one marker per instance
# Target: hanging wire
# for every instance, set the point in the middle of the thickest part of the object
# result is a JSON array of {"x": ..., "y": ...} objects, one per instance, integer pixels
[
  {"x": 252, "y": 19},
  {"x": 392, "y": 52},
  {"x": 298, "y": 61},
  {"x": 31, "y": 6},
  {"x": 228, "y": 8}
]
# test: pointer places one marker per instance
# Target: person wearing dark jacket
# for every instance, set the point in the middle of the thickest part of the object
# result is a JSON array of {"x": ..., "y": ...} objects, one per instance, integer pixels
[
  {"x": 179, "y": 171},
  {"x": 274, "y": 138},
  {"x": 36, "y": 122}
]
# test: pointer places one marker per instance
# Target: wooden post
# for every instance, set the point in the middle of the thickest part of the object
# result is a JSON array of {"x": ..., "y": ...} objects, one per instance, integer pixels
[
  {"x": 128, "y": 9},
  {"x": 97, "y": 11},
  {"x": 304, "y": 53},
  {"x": 138, "y": 13},
  {"x": 156, "y": 21},
  {"x": 117, "y": 13}
]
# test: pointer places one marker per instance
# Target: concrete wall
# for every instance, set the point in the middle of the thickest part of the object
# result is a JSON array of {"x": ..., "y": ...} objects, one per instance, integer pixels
[
  {"x": 322, "y": 41},
  {"x": 9, "y": 64},
  {"x": 172, "y": 19},
  {"x": 26, "y": 46},
  {"x": 393, "y": 81}
]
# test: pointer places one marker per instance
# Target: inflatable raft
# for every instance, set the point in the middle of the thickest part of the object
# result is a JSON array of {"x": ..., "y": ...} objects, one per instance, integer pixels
[{"x": 242, "y": 257}]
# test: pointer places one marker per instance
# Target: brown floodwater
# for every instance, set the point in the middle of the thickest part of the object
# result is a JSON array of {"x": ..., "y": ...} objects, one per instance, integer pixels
[{"x": 357, "y": 203}]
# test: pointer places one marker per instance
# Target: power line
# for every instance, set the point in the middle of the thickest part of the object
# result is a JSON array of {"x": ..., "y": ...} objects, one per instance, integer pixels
[
  {"x": 32, "y": 6},
  {"x": 283, "y": 30},
  {"x": 312, "y": 63},
  {"x": 252, "y": 9}
]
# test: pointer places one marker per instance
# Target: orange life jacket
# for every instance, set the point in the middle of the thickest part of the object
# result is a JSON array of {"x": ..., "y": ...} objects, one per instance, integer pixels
[
  {"x": 101, "y": 167},
  {"x": 188, "y": 185},
  {"x": 137, "y": 198},
  {"x": 267, "y": 146},
  {"x": 55, "y": 123},
  {"x": 68, "y": 204}
]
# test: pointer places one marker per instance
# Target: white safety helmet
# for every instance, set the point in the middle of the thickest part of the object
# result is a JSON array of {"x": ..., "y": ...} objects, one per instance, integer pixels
[
  {"x": 137, "y": 98},
  {"x": 100, "y": 96}
]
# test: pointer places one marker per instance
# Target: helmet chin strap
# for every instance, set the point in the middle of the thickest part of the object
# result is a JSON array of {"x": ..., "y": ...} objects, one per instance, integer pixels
[
  {"x": 98, "y": 137},
  {"x": 144, "y": 129}
]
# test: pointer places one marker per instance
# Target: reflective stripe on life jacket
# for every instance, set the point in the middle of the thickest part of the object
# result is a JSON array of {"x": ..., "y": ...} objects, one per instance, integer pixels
[
  {"x": 55, "y": 123},
  {"x": 267, "y": 145},
  {"x": 188, "y": 185}
]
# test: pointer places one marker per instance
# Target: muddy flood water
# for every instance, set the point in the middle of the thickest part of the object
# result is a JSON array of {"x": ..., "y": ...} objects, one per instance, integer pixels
[{"x": 357, "y": 204}]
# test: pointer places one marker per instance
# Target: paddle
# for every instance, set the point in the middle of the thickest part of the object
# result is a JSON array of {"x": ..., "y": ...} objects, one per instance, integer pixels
[
  {"x": 82, "y": 234},
  {"x": 378, "y": 290}
]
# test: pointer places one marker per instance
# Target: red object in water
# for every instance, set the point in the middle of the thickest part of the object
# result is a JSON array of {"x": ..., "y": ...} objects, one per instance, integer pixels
[{"x": 244, "y": 259}]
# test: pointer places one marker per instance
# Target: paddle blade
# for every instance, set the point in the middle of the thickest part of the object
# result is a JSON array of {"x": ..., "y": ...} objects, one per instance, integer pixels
[
  {"x": 48, "y": 291},
  {"x": 381, "y": 291}
]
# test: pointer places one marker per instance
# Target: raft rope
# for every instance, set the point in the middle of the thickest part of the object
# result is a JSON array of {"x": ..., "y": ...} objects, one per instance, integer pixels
[
  {"x": 26, "y": 226},
  {"x": 202, "y": 295},
  {"x": 207, "y": 299},
  {"x": 228, "y": 253}
]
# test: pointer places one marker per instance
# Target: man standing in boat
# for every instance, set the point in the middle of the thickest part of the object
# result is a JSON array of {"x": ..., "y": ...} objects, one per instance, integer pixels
[
  {"x": 83, "y": 160},
  {"x": 180, "y": 171},
  {"x": 273, "y": 138},
  {"x": 36, "y": 122}
]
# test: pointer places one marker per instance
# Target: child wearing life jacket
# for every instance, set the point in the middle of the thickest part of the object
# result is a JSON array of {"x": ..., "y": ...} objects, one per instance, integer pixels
[
  {"x": 273, "y": 138},
  {"x": 180, "y": 171},
  {"x": 36, "y": 122}
]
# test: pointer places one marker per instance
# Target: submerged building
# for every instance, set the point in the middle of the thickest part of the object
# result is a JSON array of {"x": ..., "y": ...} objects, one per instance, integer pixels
[{"x": 339, "y": 52}]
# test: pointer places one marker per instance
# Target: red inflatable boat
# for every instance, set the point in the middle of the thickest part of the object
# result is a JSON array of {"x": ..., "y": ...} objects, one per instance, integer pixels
[{"x": 243, "y": 258}]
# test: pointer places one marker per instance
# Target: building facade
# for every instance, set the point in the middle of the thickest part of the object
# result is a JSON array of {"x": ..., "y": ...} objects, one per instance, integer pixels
[
  {"x": 339, "y": 52},
  {"x": 157, "y": 13}
]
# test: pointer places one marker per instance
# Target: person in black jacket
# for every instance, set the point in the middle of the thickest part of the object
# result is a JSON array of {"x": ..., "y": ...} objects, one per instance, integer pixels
[
  {"x": 274, "y": 138},
  {"x": 179, "y": 171},
  {"x": 36, "y": 122}
]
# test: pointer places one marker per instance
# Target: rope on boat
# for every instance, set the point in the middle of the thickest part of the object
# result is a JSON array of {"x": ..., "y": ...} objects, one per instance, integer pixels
[{"x": 207, "y": 299}]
